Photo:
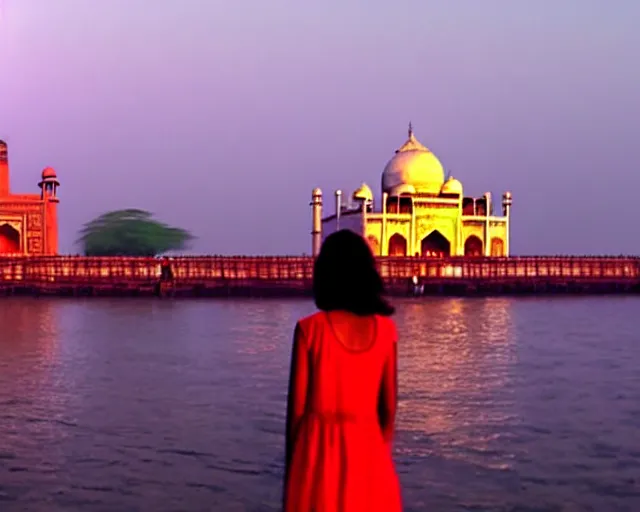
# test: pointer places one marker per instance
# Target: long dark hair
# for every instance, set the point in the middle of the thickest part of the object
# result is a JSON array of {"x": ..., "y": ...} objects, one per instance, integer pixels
[{"x": 345, "y": 277}]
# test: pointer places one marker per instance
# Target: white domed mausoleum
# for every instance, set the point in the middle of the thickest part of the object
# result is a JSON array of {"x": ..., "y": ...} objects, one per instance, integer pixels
[{"x": 421, "y": 212}]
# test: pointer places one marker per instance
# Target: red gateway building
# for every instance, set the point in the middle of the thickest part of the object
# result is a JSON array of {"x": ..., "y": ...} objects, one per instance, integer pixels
[{"x": 28, "y": 222}]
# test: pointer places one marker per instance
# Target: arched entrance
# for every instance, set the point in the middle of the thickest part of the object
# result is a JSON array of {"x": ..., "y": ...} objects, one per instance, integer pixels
[
  {"x": 497, "y": 247},
  {"x": 374, "y": 245},
  {"x": 435, "y": 245},
  {"x": 473, "y": 247},
  {"x": 397, "y": 245},
  {"x": 9, "y": 240}
]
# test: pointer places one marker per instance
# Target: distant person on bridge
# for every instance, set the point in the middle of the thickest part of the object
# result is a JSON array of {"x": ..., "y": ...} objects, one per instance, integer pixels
[
  {"x": 165, "y": 282},
  {"x": 342, "y": 389},
  {"x": 166, "y": 272}
]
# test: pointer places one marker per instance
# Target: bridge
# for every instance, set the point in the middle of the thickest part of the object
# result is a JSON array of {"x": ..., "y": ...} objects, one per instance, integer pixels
[{"x": 290, "y": 275}]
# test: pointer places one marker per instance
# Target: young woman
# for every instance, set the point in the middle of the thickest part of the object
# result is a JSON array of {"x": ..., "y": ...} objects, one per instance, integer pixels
[{"x": 342, "y": 389}]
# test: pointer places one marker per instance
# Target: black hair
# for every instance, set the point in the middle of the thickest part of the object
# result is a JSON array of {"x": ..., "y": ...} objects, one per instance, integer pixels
[{"x": 345, "y": 277}]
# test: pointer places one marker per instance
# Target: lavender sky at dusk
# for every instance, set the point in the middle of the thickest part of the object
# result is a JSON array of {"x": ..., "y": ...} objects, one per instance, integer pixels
[{"x": 220, "y": 117}]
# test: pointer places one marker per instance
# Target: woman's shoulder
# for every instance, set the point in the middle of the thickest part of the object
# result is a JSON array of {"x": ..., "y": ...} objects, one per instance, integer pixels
[
  {"x": 388, "y": 327},
  {"x": 308, "y": 322}
]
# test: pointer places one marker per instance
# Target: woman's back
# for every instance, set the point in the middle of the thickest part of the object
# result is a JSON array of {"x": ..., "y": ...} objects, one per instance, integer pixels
[
  {"x": 341, "y": 457},
  {"x": 347, "y": 355}
]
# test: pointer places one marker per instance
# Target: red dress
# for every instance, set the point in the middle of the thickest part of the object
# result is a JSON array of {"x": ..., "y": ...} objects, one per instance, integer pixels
[{"x": 339, "y": 460}]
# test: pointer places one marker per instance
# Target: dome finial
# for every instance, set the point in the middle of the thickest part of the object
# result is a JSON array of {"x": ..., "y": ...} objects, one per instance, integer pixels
[{"x": 410, "y": 130}]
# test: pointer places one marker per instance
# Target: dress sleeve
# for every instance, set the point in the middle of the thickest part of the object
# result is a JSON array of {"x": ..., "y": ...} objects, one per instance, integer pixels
[{"x": 297, "y": 397}]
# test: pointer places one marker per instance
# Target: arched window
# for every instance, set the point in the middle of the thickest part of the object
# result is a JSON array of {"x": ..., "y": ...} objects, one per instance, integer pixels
[
  {"x": 374, "y": 245},
  {"x": 435, "y": 245},
  {"x": 9, "y": 240},
  {"x": 497, "y": 247},
  {"x": 473, "y": 247},
  {"x": 397, "y": 245}
]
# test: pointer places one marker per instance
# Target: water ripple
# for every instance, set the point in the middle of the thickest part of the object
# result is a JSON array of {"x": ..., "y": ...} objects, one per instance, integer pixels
[{"x": 505, "y": 405}]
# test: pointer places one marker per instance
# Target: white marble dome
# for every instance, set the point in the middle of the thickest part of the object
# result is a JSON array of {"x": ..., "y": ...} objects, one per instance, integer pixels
[{"x": 416, "y": 167}]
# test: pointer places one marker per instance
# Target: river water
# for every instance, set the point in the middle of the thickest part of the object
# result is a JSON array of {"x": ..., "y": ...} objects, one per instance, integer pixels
[{"x": 149, "y": 405}]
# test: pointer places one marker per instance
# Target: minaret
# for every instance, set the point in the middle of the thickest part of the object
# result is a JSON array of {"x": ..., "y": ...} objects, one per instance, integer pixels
[
  {"x": 487, "y": 223},
  {"x": 4, "y": 169},
  {"x": 506, "y": 211},
  {"x": 506, "y": 204},
  {"x": 49, "y": 194},
  {"x": 338, "y": 208},
  {"x": 316, "y": 221}
]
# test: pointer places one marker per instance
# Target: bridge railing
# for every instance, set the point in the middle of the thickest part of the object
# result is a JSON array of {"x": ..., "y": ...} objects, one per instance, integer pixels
[
  {"x": 520, "y": 268},
  {"x": 77, "y": 270}
]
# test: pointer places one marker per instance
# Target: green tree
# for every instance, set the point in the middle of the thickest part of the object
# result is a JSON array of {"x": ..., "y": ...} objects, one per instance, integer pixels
[{"x": 130, "y": 233}]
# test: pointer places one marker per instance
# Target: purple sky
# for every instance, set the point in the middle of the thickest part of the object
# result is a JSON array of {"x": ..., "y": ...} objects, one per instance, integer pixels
[{"x": 221, "y": 116}]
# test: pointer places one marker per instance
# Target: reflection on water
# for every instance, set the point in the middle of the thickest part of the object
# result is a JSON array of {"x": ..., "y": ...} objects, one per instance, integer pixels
[
  {"x": 456, "y": 402},
  {"x": 24, "y": 321},
  {"x": 179, "y": 405},
  {"x": 263, "y": 332},
  {"x": 458, "y": 357},
  {"x": 32, "y": 410}
]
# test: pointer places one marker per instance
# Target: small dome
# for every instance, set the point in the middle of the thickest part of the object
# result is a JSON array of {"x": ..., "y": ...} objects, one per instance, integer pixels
[
  {"x": 316, "y": 192},
  {"x": 452, "y": 186},
  {"x": 413, "y": 164},
  {"x": 49, "y": 172},
  {"x": 363, "y": 193},
  {"x": 507, "y": 195}
]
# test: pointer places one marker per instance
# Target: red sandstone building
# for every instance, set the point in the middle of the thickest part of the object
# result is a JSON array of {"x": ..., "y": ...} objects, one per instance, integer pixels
[{"x": 28, "y": 222}]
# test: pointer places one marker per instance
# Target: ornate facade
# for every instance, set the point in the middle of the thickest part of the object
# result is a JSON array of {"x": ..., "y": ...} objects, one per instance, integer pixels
[
  {"x": 420, "y": 212},
  {"x": 28, "y": 222}
]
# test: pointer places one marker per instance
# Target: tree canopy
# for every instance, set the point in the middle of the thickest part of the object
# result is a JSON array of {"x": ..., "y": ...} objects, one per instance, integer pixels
[{"x": 130, "y": 232}]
